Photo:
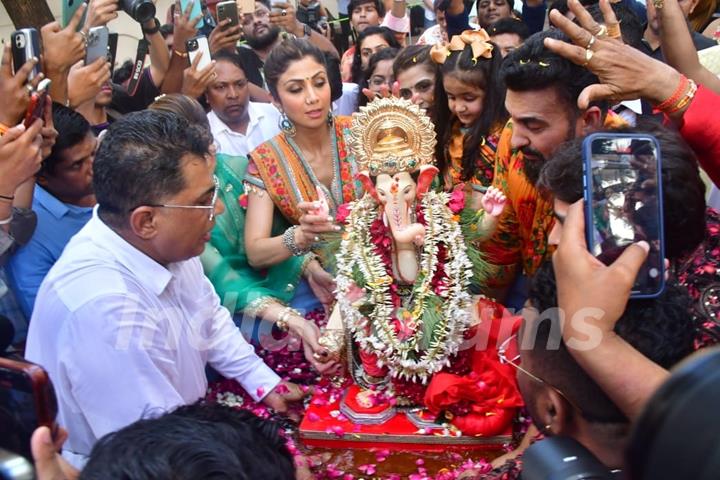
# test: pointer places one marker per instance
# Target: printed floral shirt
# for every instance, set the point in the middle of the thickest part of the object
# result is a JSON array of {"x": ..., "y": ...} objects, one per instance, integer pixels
[{"x": 521, "y": 234}]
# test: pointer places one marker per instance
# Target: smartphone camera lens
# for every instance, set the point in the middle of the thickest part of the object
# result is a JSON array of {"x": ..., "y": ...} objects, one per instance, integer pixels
[
  {"x": 20, "y": 41},
  {"x": 193, "y": 44}
]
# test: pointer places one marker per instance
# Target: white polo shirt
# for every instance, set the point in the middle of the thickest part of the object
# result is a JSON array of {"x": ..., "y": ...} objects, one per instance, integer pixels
[{"x": 263, "y": 126}]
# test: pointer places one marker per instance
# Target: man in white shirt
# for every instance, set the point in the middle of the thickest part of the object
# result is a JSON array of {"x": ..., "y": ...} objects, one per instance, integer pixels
[
  {"x": 125, "y": 321},
  {"x": 238, "y": 125}
]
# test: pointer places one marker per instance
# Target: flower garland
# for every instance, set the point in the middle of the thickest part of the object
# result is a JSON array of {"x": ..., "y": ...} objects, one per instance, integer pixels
[{"x": 396, "y": 335}]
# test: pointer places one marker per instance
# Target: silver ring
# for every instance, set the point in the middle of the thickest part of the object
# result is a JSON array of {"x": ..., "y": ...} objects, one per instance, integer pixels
[
  {"x": 29, "y": 88},
  {"x": 84, "y": 35},
  {"x": 283, "y": 12}
]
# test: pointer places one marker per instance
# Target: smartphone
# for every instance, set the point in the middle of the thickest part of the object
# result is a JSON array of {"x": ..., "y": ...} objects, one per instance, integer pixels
[
  {"x": 195, "y": 12},
  {"x": 229, "y": 10},
  {"x": 27, "y": 401},
  {"x": 195, "y": 46},
  {"x": 97, "y": 44},
  {"x": 38, "y": 100},
  {"x": 624, "y": 203},
  {"x": 26, "y": 45},
  {"x": 69, "y": 7},
  {"x": 112, "y": 51}
]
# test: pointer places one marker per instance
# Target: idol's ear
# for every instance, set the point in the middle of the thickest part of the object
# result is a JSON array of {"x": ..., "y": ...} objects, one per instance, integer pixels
[
  {"x": 425, "y": 179},
  {"x": 368, "y": 184}
]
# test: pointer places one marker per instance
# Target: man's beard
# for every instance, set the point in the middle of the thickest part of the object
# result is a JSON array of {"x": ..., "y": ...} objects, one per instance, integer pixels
[
  {"x": 533, "y": 160},
  {"x": 265, "y": 40}
]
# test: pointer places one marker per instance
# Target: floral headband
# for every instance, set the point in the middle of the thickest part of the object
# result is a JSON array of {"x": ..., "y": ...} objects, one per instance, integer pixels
[{"x": 479, "y": 42}]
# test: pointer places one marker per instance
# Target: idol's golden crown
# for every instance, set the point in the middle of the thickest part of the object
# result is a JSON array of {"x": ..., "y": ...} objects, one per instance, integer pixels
[{"x": 392, "y": 135}]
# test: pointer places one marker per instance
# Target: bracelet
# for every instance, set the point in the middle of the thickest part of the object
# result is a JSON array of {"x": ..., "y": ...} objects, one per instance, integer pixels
[
  {"x": 687, "y": 98},
  {"x": 288, "y": 240},
  {"x": 180, "y": 54},
  {"x": 306, "y": 261},
  {"x": 7, "y": 220},
  {"x": 9, "y": 198},
  {"x": 3, "y": 130},
  {"x": 676, "y": 96},
  {"x": 257, "y": 306},
  {"x": 282, "y": 321}
]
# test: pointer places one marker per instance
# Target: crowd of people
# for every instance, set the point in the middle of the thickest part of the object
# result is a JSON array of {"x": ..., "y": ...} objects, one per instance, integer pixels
[{"x": 159, "y": 241}]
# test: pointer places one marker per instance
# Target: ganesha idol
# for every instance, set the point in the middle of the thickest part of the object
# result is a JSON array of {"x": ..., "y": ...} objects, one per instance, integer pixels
[{"x": 405, "y": 317}]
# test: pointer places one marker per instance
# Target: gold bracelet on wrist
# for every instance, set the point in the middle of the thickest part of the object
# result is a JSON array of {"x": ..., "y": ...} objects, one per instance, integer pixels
[
  {"x": 256, "y": 307},
  {"x": 180, "y": 54},
  {"x": 282, "y": 321}
]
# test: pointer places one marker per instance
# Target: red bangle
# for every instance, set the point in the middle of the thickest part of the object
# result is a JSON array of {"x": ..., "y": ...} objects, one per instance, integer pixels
[{"x": 675, "y": 98}]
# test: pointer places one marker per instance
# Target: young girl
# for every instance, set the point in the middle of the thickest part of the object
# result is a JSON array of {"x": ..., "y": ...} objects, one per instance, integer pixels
[{"x": 470, "y": 110}]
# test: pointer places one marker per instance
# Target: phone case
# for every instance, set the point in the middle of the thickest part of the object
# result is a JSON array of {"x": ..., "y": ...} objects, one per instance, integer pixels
[
  {"x": 197, "y": 45},
  {"x": 228, "y": 10},
  {"x": 588, "y": 181},
  {"x": 195, "y": 12},
  {"x": 69, "y": 7},
  {"x": 30, "y": 381},
  {"x": 25, "y": 45},
  {"x": 97, "y": 44}
]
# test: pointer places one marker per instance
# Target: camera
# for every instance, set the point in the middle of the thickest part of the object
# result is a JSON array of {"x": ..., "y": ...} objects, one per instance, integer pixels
[
  {"x": 562, "y": 458},
  {"x": 140, "y": 10}
]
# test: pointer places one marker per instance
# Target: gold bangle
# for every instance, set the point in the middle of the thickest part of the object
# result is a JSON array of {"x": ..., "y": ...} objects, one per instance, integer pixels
[
  {"x": 282, "y": 321},
  {"x": 257, "y": 306},
  {"x": 180, "y": 54},
  {"x": 658, "y": 4}
]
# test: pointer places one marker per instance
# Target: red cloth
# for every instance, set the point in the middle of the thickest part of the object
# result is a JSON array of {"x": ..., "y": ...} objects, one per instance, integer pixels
[
  {"x": 701, "y": 129},
  {"x": 490, "y": 392},
  {"x": 488, "y": 395}
]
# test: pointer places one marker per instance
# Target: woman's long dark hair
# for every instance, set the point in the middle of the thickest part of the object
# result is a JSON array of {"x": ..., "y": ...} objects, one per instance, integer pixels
[
  {"x": 384, "y": 54},
  {"x": 357, "y": 70},
  {"x": 482, "y": 73}
]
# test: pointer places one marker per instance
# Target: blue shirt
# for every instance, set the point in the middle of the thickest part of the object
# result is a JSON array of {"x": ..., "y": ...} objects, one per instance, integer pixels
[{"x": 57, "y": 222}]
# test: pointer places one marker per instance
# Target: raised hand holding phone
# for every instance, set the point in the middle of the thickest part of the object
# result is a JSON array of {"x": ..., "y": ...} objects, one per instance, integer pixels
[
  {"x": 624, "y": 203},
  {"x": 195, "y": 11},
  {"x": 14, "y": 87},
  {"x": 63, "y": 47}
]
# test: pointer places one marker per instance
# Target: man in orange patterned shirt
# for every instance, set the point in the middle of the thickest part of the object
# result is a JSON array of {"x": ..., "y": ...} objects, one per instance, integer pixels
[{"x": 542, "y": 93}]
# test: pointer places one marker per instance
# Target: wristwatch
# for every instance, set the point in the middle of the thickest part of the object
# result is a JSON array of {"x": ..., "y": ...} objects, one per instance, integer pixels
[
  {"x": 306, "y": 30},
  {"x": 152, "y": 30}
]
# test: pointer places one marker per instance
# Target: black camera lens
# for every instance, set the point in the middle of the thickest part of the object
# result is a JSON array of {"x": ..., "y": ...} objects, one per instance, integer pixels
[{"x": 140, "y": 10}]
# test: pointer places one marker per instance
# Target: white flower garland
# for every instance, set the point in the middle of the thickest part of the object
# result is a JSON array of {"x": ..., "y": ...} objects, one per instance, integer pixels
[{"x": 404, "y": 358}]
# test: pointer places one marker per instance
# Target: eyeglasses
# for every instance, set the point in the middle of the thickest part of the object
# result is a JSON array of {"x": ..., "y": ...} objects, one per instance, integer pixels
[
  {"x": 511, "y": 343},
  {"x": 210, "y": 207}
]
